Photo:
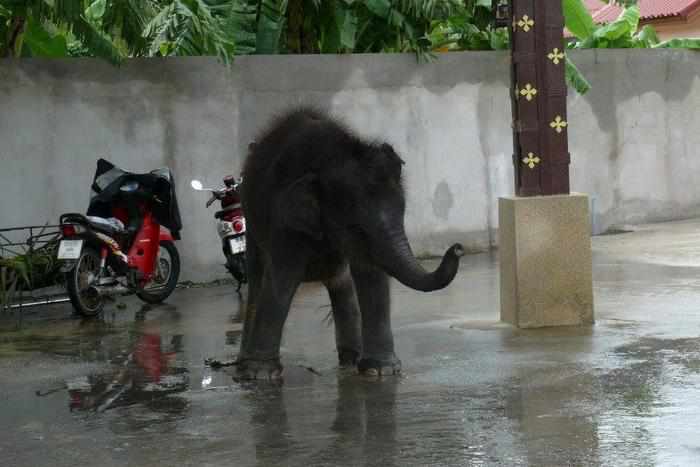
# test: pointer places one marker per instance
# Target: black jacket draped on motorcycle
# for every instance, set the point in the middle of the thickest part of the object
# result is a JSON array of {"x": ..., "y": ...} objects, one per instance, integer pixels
[{"x": 159, "y": 184}]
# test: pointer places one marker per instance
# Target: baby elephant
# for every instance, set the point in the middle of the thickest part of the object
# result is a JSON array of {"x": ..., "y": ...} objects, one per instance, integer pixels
[{"x": 324, "y": 205}]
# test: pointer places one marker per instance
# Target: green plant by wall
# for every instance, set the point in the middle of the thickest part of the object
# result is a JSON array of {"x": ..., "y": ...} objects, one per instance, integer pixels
[{"x": 33, "y": 269}]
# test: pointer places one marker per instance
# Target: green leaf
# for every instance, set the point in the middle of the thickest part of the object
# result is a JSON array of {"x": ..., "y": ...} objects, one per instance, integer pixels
[
  {"x": 625, "y": 25},
  {"x": 679, "y": 43},
  {"x": 21, "y": 269},
  {"x": 380, "y": 8},
  {"x": 337, "y": 27},
  {"x": 97, "y": 42},
  {"x": 578, "y": 19},
  {"x": 67, "y": 11},
  {"x": 189, "y": 27},
  {"x": 575, "y": 79},
  {"x": 41, "y": 43},
  {"x": 647, "y": 37},
  {"x": 239, "y": 23},
  {"x": 165, "y": 47},
  {"x": 624, "y": 3},
  {"x": 347, "y": 24},
  {"x": 271, "y": 22},
  {"x": 499, "y": 39},
  {"x": 96, "y": 11}
]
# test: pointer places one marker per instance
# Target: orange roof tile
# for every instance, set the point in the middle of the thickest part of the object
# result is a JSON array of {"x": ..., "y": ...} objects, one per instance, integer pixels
[{"x": 649, "y": 9}]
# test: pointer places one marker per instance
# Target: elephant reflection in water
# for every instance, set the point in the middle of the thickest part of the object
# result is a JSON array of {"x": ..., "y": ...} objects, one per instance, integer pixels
[
  {"x": 366, "y": 422},
  {"x": 363, "y": 431},
  {"x": 324, "y": 205}
]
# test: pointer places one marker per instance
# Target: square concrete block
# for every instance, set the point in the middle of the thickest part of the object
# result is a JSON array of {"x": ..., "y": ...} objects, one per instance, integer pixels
[{"x": 545, "y": 260}]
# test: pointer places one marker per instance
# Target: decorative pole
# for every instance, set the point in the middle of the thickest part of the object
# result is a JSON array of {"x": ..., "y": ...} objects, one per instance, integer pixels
[
  {"x": 544, "y": 231},
  {"x": 540, "y": 137}
]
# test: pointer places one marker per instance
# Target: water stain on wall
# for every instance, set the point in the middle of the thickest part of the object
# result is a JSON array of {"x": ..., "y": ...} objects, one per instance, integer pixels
[{"x": 443, "y": 200}]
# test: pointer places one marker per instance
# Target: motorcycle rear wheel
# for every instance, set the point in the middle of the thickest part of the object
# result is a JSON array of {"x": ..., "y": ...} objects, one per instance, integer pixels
[
  {"x": 236, "y": 265},
  {"x": 166, "y": 276},
  {"x": 86, "y": 301}
]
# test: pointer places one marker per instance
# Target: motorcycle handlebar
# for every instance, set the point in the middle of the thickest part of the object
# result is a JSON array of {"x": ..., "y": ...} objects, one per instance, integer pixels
[{"x": 221, "y": 193}]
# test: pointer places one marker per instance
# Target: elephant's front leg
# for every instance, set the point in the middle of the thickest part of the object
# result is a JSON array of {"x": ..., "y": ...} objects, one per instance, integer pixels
[
  {"x": 255, "y": 270},
  {"x": 378, "y": 357},
  {"x": 262, "y": 330},
  {"x": 346, "y": 316}
]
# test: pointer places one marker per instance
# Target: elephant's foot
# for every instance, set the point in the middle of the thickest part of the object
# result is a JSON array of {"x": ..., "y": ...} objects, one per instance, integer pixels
[
  {"x": 382, "y": 366},
  {"x": 250, "y": 369},
  {"x": 348, "y": 358}
]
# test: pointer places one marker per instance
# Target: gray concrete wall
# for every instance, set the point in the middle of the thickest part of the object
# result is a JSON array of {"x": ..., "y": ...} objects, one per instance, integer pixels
[{"x": 633, "y": 138}]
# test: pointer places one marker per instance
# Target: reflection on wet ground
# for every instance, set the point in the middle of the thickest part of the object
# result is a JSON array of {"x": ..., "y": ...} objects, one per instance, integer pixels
[{"x": 132, "y": 387}]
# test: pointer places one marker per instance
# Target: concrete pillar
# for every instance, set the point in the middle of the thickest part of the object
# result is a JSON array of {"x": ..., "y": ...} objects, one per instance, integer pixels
[{"x": 545, "y": 260}]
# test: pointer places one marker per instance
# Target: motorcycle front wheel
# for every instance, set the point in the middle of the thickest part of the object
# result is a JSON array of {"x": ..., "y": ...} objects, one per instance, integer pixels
[
  {"x": 85, "y": 299},
  {"x": 167, "y": 274}
]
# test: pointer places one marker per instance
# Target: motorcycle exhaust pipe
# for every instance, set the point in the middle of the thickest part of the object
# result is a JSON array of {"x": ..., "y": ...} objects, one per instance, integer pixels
[{"x": 109, "y": 290}]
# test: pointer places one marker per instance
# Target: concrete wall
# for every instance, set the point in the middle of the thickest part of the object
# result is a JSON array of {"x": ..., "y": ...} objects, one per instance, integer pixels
[{"x": 633, "y": 138}]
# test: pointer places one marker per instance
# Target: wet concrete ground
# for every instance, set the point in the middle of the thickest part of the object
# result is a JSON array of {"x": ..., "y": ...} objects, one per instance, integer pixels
[{"x": 132, "y": 388}]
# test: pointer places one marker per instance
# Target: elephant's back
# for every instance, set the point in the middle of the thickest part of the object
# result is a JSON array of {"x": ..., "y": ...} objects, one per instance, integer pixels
[{"x": 294, "y": 144}]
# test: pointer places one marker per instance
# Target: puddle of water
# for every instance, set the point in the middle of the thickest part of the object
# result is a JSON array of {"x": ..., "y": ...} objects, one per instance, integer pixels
[{"x": 472, "y": 393}]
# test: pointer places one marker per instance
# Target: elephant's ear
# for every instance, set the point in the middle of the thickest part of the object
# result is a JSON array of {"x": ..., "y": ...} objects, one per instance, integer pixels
[{"x": 298, "y": 207}]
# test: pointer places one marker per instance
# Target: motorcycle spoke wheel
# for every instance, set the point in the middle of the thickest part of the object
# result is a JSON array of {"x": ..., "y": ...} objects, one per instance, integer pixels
[{"x": 84, "y": 298}]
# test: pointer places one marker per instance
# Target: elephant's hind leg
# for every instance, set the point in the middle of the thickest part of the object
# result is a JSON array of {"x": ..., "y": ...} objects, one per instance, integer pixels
[
  {"x": 378, "y": 357},
  {"x": 346, "y": 317}
]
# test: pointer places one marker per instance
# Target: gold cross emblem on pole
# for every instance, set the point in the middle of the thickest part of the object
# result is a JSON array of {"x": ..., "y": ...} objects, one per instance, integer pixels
[
  {"x": 556, "y": 55},
  {"x": 528, "y": 92},
  {"x": 526, "y": 23},
  {"x": 531, "y": 160},
  {"x": 559, "y": 124}
]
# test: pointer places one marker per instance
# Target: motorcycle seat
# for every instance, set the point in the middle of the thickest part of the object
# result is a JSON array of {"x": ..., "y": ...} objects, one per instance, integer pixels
[
  {"x": 227, "y": 209},
  {"x": 109, "y": 226}
]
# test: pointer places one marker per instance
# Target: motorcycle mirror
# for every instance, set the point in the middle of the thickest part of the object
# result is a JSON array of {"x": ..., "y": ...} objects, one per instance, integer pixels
[{"x": 197, "y": 185}]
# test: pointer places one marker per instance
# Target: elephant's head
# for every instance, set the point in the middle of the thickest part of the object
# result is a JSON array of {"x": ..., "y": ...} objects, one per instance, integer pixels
[{"x": 357, "y": 201}]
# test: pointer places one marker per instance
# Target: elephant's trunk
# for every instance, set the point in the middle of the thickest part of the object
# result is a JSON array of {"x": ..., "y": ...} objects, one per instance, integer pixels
[{"x": 398, "y": 260}]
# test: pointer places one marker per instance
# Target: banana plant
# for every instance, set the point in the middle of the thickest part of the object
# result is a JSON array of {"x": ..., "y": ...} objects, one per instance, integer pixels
[
  {"x": 624, "y": 32},
  {"x": 115, "y": 29},
  {"x": 45, "y": 28},
  {"x": 188, "y": 27},
  {"x": 469, "y": 27}
]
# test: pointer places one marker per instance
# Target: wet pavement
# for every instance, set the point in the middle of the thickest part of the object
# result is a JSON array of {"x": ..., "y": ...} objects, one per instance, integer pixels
[{"x": 132, "y": 388}]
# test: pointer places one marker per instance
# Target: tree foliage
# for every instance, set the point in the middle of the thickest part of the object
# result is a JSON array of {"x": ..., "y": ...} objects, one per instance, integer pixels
[
  {"x": 48, "y": 28},
  {"x": 116, "y": 29}
]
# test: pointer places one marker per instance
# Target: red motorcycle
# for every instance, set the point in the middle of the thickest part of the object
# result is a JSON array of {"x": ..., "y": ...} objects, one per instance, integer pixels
[
  {"x": 126, "y": 242},
  {"x": 230, "y": 226}
]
